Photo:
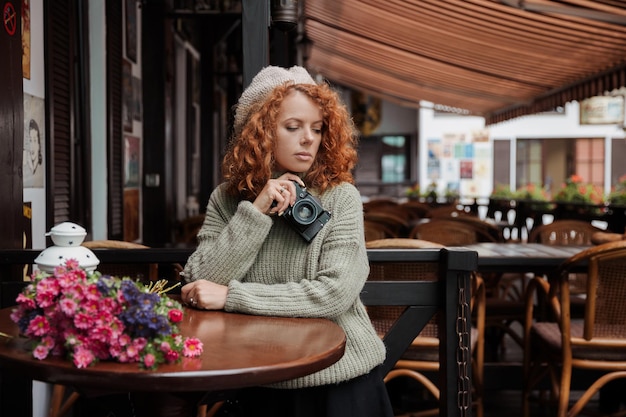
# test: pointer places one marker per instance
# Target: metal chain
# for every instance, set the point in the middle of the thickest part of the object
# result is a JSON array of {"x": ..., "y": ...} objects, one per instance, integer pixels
[{"x": 464, "y": 389}]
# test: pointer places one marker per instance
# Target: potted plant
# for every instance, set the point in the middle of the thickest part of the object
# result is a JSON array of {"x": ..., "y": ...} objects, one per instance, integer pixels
[
  {"x": 578, "y": 198},
  {"x": 413, "y": 192},
  {"x": 535, "y": 196},
  {"x": 617, "y": 197}
]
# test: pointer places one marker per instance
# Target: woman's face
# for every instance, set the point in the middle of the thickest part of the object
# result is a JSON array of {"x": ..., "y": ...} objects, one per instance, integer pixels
[
  {"x": 33, "y": 143},
  {"x": 298, "y": 133}
]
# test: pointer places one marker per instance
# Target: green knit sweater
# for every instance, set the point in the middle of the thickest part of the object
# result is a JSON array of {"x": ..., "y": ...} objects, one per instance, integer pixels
[{"x": 270, "y": 270}]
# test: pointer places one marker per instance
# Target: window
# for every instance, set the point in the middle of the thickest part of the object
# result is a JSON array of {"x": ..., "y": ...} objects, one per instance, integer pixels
[
  {"x": 589, "y": 160},
  {"x": 529, "y": 163},
  {"x": 385, "y": 166},
  {"x": 393, "y": 159}
]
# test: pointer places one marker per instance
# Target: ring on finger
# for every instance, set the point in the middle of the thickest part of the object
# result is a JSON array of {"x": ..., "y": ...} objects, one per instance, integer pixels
[
  {"x": 191, "y": 301},
  {"x": 282, "y": 190}
]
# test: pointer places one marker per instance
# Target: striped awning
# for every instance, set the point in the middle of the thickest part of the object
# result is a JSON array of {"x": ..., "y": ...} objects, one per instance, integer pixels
[{"x": 499, "y": 59}]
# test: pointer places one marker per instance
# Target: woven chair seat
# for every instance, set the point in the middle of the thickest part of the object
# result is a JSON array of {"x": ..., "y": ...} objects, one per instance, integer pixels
[{"x": 551, "y": 336}]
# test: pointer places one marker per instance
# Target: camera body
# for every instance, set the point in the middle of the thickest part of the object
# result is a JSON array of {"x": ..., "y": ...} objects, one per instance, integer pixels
[{"x": 306, "y": 216}]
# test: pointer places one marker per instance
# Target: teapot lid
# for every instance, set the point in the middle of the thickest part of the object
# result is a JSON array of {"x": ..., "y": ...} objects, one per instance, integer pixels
[{"x": 67, "y": 228}]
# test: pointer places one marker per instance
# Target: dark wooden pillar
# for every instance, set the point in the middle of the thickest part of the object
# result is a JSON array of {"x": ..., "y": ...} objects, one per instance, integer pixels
[
  {"x": 15, "y": 393},
  {"x": 11, "y": 126},
  {"x": 255, "y": 18}
]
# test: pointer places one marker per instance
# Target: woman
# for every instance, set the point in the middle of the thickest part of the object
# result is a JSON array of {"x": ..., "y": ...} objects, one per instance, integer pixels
[{"x": 288, "y": 130}]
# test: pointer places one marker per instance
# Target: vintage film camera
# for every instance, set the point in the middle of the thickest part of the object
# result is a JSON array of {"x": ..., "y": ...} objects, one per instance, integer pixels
[{"x": 306, "y": 216}]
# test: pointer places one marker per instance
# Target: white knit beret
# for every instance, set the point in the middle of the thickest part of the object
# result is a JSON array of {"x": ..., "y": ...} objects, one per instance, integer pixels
[{"x": 262, "y": 85}]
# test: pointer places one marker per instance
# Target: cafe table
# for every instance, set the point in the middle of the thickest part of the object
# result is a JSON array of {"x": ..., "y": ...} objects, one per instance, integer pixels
[
  {"x": 239, "y": 351},
  {"x": 536, "y": 258}
]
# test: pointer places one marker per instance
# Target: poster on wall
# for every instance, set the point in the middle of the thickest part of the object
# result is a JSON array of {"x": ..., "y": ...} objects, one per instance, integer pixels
[
  {"x": 34, "y": 123},
  {"x": 131, "y": 162},
  {"x": 434, "y": 159},
  {"x": 460, "y": 162},
  {"x": 137, "y": 110},
  {"x": 26, "y": 39}
]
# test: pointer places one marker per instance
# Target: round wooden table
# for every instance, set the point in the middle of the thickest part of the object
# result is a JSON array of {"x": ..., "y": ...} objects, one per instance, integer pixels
[{"x": 239, "y": 351}]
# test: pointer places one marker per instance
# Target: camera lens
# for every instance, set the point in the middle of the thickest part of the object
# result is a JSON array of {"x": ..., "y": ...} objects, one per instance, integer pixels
[{"x": 304, "y": 212}]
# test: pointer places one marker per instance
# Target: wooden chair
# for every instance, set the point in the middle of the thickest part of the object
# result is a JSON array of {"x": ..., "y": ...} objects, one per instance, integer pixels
[
  {"x": 418, "y": 209},
  {"x": 450, "y": 210},
  {"x": 450, "y": 232},
  {"x": 596, "y": 342},
  {"x": 375, "y": 230},
  {"x": 422, "y": 356},
  {"x": 398, "y": 224},
  {"x": 564, "y": 232},
  {"x": 379, "y": 203}
]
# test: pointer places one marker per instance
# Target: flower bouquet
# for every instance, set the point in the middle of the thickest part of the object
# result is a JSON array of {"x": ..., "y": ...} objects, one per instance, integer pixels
[{"x": 89, "y": 317}]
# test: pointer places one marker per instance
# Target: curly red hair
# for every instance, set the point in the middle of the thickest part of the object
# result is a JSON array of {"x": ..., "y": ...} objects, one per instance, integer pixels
[{"x": 249, "y": 161}]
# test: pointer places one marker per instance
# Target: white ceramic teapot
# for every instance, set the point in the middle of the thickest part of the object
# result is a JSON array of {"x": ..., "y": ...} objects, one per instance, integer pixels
[{"x": 67, "y": 238}]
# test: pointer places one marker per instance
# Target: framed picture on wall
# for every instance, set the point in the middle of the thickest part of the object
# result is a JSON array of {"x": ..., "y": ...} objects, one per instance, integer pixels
[
  {"x": 132, "y": 161},
  {"x": 131, "y": 30},
  {"x": 137, "y": 110}
]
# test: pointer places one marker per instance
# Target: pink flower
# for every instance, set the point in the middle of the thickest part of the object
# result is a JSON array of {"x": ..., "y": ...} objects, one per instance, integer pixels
[
  {"x": 41, "y": 352},
  {"x": 68, "y": 306},
  {"x": 140, "y": 343},
  {"x": 38, "y": 326},
  {"x": 27, "y": 302},
  {"x": 124, "y": 340},
  {"x": 132, "y": 351},
  {"x": 82, "y": 357},
  {"x": 171, "y": 356},
  {"x": 149, "y": 360},
  {"x": 165, "y": 347},
  {"x": 175, "y": 315},
  {"x": 193, "y": 347},
  {"x": 83, "y": 321}
]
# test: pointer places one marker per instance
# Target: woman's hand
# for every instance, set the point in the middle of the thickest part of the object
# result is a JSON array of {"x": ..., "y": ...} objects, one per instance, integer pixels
[
  {"x": 205, "y": 295},
  {"x": 280, "y": 190}
]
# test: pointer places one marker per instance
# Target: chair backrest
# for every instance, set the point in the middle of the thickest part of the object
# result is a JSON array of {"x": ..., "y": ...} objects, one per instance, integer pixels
[
  {"x": 396, "y": 223},
  {"x": 605, "y": 310},
  {"x": 486, "y": 232},
  {"x": 375, "y": 230},
  {"x": 450, "y": 210},
  {"x": 139, "y": 271},
  {"x": 564, "y": 232},
  {"x": 449, "y": 232},
  {"x": 417, "y": 209}
]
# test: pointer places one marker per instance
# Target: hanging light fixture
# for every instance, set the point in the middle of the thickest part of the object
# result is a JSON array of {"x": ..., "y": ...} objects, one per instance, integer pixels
[{"x": 284, "y": 14}]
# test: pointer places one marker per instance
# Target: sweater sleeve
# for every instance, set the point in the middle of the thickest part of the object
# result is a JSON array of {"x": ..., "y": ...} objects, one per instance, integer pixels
[
  {"x": 337, "y": 269},
  {"x": 228, "y": 224}
]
